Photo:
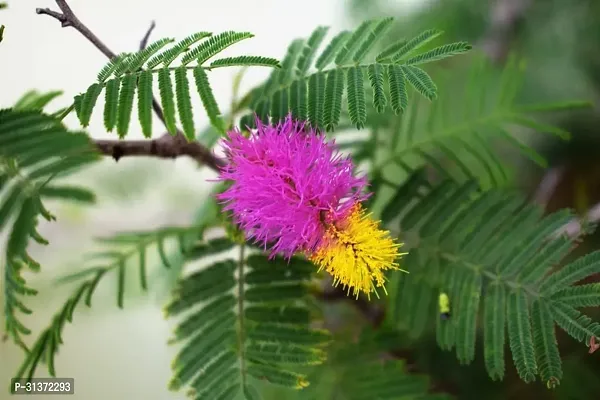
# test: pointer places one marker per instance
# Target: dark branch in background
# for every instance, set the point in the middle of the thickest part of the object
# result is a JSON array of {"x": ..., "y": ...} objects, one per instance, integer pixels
[
  {"x": 166, "y": 145},
  {"x": 504, "y": 20},
  {"x": 146, "y": 37}
]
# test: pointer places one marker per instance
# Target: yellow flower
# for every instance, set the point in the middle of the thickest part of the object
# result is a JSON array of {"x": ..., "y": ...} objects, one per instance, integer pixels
[{"x": 356, "y": 253}]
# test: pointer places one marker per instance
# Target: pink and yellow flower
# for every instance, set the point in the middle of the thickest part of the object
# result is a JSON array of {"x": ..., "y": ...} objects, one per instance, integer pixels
[{"x": 292, "y": 192}]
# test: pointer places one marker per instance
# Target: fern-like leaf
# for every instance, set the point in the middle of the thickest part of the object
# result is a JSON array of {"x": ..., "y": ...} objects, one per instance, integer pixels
[
  {"x": 440, "y": 53},
  {"x": 334, "y": 90},
  {"x": 169, "y": 55},
  {"x": 494, "y": 329},
  {"x": 380, "y": 27},
  {"x": 472, "y": 242},
  {"x": 546, "y": 347},
  {"x": 273, "y": 334},
  {"x": 131, "y": 71},
  {"x": 316, "y": 96},
  {"x": 349, "y": 51},
  {"x": 119, "y": 249},
  {"x": 111, "y": 99},
  {"x": 125, "y": 106},
  {"x": 144, "y": 88},
  {"x": 35, "y": 150},
  {"x": 353, "y": 43},
  {"x": 184, "y": 102},
  {"x": 332, "y": 49},
  {"x": 208, "y": 99},
  {"x": 245, "y": 61},
  {"x": 213, "y": 46},
  {"x": 415, "y": 43},
  {"x": 375, "y": 73},
  {"x": 310, "y": 49},
  {"x": 356, "y": 97}
]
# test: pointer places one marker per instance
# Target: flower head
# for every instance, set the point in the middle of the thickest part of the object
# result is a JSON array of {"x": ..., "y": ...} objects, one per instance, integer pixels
[
  {"x": 285, "y": 180},
  {"x": 356, "y": 252},
  {"x": 290, "y": 190}
]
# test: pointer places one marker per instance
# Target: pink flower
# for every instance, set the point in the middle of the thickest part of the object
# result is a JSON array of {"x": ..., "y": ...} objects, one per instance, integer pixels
[{"x": 288, "y": 183}]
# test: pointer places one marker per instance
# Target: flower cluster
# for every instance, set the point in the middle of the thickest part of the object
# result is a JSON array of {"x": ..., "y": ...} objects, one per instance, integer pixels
[{"x": 292, "y": 192}]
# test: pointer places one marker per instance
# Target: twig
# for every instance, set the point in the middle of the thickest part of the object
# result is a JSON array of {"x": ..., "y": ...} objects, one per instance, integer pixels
[
  {"x": 166, "y": 144},
  {"x": 68, "y": 18},
  {"x": 146, "y": 37}
]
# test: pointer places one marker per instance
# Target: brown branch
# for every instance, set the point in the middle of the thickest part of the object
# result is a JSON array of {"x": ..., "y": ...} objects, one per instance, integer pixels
[
  {"x": 68, "y": 18},
  {"x": 167, "y": 146}
]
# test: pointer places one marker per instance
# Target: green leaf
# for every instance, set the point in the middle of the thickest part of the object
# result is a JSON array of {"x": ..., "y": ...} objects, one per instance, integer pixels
[
  {"x": 439, "y": 53},
  {"x": 414, "y": 44},
  {"x": 546, "y": 347},
  {"x": 579, "y": 296},
  {"x": 111, "y": 100},
  {"x": 65, "y": 192},
  {"x": 468, "y": 308},
  {"x": 245, "y": 61},
  {"x": 125, "y": 106},
  {"x": 519, "y": 335},
  {"x": 398, "y": 93},
  {"x": 310, "y": 49},
  {"x": 421, "y": 81},
  {"x": 579, "y": 326},
  {"x": 374, "y": 35},
  {"x": 145, "y": 102},
  {"x": 334, "y": 90},
  {"x": 208, "y": 99},
  {"x": 375, "y": 72},
  {"x": 88, "y": 102},
  {"x": 138, "y": 59},
  {"x": 184, "y": 102},
  {"x": 165, "y": 88},
  {"x": 213, "y": 46},
  {"x": 357, "y": 108},
  {"x": 332, "y": 49},
  {"x": 169, "y": 55},
  {"x": 316, "y": 99},
  {"x": 353, "y": 43},
  {"x": 494, "y": 330}
]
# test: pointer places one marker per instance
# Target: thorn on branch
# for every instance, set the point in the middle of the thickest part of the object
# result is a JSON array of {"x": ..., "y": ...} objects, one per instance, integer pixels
[{"x": 117, "y": 153}]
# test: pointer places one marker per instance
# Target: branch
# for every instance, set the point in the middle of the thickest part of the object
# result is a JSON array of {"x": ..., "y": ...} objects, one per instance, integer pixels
[
  {"x": 68, "y": 18},
  {"x": 166, "y": 146},
  {"x": 146, "y": 37}
]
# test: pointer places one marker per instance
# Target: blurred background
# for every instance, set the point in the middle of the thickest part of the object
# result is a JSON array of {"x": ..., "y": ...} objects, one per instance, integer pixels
[{"x": 122, "y": 354}]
